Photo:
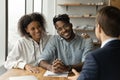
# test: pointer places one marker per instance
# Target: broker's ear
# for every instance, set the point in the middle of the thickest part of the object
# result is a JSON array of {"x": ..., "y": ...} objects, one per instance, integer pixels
[{"x": 99, "y": 28}]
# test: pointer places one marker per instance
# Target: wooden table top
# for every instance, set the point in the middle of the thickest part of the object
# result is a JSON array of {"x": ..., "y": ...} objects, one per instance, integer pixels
[{"x": 19, "y": 72}]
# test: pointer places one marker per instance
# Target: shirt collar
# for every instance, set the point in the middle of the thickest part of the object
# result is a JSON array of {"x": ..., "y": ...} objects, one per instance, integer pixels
[
  {"x": 41, "y": 40},
  {"x": 64, "y": 39},
  {"x": 108, "y": 40}
]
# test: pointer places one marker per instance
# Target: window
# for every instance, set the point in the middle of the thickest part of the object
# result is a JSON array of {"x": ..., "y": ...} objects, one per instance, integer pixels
[
  {"x": 38, "y": 6},
  {"x": 16, "y": 9}
]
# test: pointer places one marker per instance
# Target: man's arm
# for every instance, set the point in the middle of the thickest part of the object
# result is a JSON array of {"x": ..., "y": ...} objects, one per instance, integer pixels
[
  {"x": 57, "y": 66},
  {"x": 48, "y": 55},
  {"x": 44, "y": 64},
  {"x": 78, "y": 67},
  {"x": 88, "y": 47},
  {"x": 89, "y": 70}
]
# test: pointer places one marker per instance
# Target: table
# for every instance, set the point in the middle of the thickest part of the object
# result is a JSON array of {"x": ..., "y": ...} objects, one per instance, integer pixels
[{"x": 19, "y": 72}]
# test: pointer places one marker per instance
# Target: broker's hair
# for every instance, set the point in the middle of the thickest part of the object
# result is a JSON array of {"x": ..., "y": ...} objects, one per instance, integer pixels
[
  {"x": 109, "y": 20},
  {"x": 27, "y": 19}
]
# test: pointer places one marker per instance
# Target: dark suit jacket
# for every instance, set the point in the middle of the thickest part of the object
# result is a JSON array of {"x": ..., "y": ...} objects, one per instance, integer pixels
[{"x": 103, "y": 64}]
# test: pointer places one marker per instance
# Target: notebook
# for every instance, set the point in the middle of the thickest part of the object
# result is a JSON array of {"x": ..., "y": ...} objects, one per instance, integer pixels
[{"x": 51, "y": 74}]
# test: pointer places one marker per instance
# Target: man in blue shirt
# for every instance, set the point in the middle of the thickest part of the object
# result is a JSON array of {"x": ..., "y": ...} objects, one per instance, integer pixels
[
  {"x": 104, "y": 63},
  {"x": 66, "y": 50}
]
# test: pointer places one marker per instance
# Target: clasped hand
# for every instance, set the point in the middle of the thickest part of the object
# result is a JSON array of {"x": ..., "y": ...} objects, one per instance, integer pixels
[{"x": 58, "y": 66}]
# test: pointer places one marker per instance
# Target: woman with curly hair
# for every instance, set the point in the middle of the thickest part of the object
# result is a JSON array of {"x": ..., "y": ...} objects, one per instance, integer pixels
[{"x": 26, "y": 52}]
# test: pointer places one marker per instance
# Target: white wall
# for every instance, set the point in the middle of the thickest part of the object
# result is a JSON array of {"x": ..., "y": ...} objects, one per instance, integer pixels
[
  {"x": 29, "y": 6},
  {"x": 49, "y": 11},
  {"x": 2, "y": 31}
]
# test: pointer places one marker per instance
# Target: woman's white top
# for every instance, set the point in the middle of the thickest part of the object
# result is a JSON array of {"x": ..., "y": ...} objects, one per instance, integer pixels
[{"x": 25, "y": 51}]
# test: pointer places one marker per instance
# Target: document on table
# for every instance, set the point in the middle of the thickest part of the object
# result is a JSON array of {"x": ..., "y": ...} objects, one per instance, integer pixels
[
  {"x": 51, "y": 74},
  {"x": 30, "y": 77}
]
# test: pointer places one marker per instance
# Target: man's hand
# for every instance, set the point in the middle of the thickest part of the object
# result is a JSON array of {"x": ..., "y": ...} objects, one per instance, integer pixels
[
  {"x": 75, "y": 76},
  {"x": 58, "y": 66},
  {"x": 31, "y": 68},
  {"x": 85, "y": 35}
]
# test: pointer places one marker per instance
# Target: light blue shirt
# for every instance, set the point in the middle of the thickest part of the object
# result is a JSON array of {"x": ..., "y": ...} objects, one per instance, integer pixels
[{"x": 70, "y": 53}]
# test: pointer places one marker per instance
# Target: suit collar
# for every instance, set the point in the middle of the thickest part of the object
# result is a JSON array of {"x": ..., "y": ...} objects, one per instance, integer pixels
[
  {"x": 108, "y": 40},
  {"x": 112, "y": 43}
]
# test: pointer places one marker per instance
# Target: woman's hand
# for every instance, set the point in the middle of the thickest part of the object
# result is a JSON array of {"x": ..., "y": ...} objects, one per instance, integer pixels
[{"x": 31, "y": 68}]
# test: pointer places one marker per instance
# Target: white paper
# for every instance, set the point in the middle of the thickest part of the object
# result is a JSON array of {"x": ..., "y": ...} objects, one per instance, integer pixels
[
  {"x": 49, "y": 73},
  {"x": 30, "y": 77}
]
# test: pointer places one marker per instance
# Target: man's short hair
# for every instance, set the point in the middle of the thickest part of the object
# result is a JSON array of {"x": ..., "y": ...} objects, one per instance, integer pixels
[{"x": 109, "y": 20}]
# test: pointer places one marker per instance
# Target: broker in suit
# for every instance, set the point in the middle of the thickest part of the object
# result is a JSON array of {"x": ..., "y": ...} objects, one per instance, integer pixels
[{"x": 104, "y": 63}]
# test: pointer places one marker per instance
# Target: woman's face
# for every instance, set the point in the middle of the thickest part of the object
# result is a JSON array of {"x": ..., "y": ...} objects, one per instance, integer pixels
[
  {"x": 34, "y": 30},
  {"x": 64, "y": 30}
]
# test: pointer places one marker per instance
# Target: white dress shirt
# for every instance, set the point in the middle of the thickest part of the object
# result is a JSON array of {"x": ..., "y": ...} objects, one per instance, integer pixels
[{"x": 108, "y": 40}]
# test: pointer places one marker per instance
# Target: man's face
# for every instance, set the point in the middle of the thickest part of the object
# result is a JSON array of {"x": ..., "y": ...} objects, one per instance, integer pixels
[{"x": 64, "y": 30}]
